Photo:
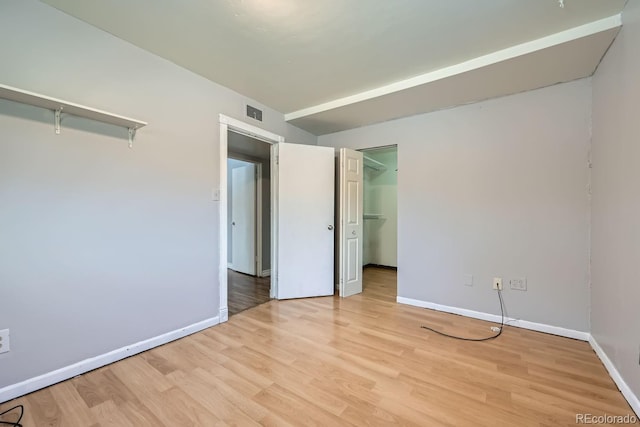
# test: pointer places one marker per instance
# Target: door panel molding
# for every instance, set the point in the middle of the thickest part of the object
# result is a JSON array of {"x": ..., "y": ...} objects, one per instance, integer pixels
[{"x": 350, "y": 221}]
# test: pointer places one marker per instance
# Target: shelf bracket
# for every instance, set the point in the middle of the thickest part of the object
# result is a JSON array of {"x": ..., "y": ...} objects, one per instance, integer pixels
[
  {"x": 57, "y": 118},
  {"x": 132, "y": 135}
]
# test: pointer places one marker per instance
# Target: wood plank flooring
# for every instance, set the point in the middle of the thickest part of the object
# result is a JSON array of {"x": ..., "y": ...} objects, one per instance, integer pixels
[
  {"x": 246, "y": 291},
  {"x": 359, "y": 361}
]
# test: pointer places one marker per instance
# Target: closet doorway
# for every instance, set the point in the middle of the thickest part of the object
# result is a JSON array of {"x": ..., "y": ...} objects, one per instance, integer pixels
[
  {"x": 380, "y": 194},
  {"x": 249, "y": 222}
]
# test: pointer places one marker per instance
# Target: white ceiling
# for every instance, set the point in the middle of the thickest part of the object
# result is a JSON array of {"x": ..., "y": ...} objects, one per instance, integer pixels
[{"x": 319, "y": 61}]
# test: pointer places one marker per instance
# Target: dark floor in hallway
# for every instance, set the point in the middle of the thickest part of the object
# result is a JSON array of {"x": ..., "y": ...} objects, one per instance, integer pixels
[{"x": 246, "y": 291}]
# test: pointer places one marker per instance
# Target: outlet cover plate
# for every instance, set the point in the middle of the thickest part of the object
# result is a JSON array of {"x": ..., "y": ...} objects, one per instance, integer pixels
[
  {"x": 497, "y": 283},
  {"x": 518, "y": 284},
  {"x": 5, "y": 344}
]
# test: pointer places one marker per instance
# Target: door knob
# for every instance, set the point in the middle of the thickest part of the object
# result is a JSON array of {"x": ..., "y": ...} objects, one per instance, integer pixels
[
  {"x": 233, "y": 223},
  {"x": 353, "y": 232},
  {"x": 330, "y": 227}
]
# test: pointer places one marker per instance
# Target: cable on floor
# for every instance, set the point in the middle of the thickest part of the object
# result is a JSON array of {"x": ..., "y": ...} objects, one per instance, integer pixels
[
  {"x": 13, "y": 423},
  {"x": 476, "y": 339}
]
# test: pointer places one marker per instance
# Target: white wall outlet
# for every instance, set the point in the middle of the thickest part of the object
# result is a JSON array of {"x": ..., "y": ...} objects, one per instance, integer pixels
[
  {"x": 518, "y": 284},
  {"x": 497, "y": 283},
  {"x": 4, "y": 341},
  {"x": 468, "y": 280}
]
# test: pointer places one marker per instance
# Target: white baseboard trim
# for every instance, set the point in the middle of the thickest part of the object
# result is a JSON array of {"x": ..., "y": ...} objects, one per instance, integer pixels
[
  {"x": 224, "y": 314},
  {"x": 229, "y": 265},
  {"x": 36, "y": 383},
  {"x": 266, "y": 273},
  {"x": 626, "y": 391},
  {"x": 540, "y": 327}
]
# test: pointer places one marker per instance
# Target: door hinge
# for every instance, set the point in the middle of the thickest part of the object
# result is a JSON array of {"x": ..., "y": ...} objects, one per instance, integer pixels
[{"x": 277, "y": 160}]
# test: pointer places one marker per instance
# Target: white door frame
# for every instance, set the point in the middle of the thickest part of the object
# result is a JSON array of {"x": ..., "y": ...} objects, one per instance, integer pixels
[{"x": 228, "y": 123}]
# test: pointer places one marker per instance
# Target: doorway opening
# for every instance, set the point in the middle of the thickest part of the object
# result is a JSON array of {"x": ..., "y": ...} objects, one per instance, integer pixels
[
  {"x": 245, "y": 159},
  {"x": 302, "y": 216},
  {"x": 380, "y": 193},
  {"x": 248, "y": 230}
]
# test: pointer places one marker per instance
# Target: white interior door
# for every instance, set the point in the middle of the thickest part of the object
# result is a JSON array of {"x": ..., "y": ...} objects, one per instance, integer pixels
[
  {"x": 350, "y": 222},
  {"x": 303, "y": 201},
  {"x": 243, "y": 220}
]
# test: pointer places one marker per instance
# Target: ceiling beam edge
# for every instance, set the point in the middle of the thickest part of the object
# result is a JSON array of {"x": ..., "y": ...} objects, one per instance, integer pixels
[{"x": 546, "y": 42}]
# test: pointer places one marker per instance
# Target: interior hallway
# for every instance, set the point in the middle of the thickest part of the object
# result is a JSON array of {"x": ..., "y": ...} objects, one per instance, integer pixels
[{"x": 246, "y": 291}]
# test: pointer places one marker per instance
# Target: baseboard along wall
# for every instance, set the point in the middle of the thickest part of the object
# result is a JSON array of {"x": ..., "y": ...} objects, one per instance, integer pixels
[
  {"x": 41, "y": 381},
  {"x": 626, "y": 391}
]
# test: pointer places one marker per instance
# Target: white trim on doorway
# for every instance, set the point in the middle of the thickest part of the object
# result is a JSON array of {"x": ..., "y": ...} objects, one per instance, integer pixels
[
  {"x": 259, "y": 225},
  {"x": 226, "y": 124}
]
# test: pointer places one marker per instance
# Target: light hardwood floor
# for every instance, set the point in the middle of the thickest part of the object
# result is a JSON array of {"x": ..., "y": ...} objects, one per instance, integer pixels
[{"x": 363, "y": 360}]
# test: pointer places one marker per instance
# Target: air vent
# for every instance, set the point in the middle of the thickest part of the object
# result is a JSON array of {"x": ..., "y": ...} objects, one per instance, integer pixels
[{"x": 254, "y": 113}]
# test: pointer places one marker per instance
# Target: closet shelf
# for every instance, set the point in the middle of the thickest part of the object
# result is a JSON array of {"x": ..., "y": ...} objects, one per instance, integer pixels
[
  {"x": 373, "y": 164},
  {"x": 59, "y": 106},
  {"x": 373, "y": 216}
]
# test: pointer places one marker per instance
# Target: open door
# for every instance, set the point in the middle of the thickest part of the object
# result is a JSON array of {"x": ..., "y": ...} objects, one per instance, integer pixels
[
  {"x": 243, "y": 221},
  {"x": 303, "y": 203},
  {"x": 350, "y": 222}
]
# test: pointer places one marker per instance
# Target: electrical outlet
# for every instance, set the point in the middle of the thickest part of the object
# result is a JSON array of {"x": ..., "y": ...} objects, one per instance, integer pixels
[
  {"x": 518, "y": 284},
  {"x": 497, "y": 283},
  {"x": 4, "y": 341}
]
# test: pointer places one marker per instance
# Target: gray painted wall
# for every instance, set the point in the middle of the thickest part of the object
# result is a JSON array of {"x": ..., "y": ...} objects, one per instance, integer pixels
[
  {"x": 496, "y": 188},
  {"x": 615, "y": 291},
  {"x": 102, "y": 246}
]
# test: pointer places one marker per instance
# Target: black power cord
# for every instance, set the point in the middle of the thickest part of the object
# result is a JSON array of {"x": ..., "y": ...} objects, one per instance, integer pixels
[
  {"x": 13, "y": 423},
  {"x": 476, "y": 339}
]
